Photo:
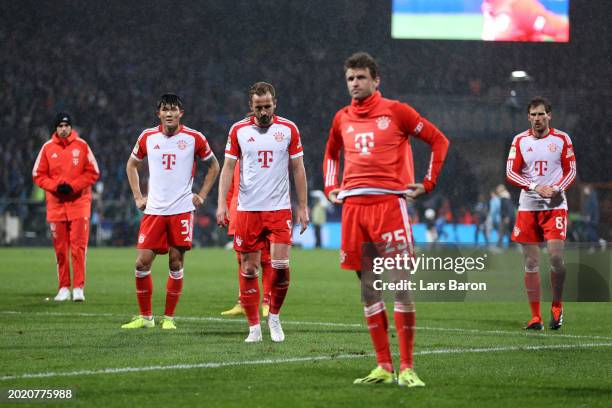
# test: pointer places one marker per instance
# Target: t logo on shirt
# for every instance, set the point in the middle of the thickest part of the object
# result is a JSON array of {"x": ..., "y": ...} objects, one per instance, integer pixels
[
  {"x": 168, "y": 160},
  {"x": 265, "y": 157},
  {"x": 363, "y": 142},
  {"x": 540, "y": 166}
]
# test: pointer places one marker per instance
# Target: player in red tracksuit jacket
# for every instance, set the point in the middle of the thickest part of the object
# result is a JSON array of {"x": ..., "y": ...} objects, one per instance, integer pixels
[
  {"x": 66, "y": 168},
  {"x": 374, "y": 134}
]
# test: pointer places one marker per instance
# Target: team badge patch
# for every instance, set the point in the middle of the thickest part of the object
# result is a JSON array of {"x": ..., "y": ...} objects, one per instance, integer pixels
[
  {"x": 552, "y": 147},
  {"x": 238, "y": 241},
  {"x": 512, "y": 154},
  {"x": 76, "y": 153},
  {"x": 141, "y": 238},
  {"x": 279, "y": 136},
  {"x": 516, "y": 231},
  {"x": 182, "y": 145},
  {"x": 570, "y": 152},
  {"x": 383, "y": 122}
]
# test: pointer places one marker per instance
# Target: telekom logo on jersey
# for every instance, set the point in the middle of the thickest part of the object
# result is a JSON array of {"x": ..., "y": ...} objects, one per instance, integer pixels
[
  {"x": 168, "y": 160},
  {"x": 264, "y": 157},
  {"x": 541, "y": 166},
  {"x": 364, "y": 141}
]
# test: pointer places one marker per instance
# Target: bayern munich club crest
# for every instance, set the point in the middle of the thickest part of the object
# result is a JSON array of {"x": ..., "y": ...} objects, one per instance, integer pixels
[
  {"x": 279, "y": 136},
  {"x": 383, "y": 122},
  {"x": 552, "y": 147},
  {"x": 182, "y": 145}
]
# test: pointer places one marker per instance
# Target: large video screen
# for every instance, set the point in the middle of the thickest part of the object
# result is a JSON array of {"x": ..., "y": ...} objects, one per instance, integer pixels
[{"x": 487, "y": 20}]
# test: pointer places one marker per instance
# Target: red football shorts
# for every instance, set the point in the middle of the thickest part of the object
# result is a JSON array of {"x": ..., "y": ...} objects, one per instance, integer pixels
[
  {"x": 266, "y": 257},
  {"x": 539, "y": 226},
  {"x": 158, "y": 232},
  {"x": 373, "y": 219},
  {"x": 255, "y": 228}
]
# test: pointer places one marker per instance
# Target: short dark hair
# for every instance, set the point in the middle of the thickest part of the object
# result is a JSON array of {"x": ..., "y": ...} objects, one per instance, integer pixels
[
  {"x": 537, "y": 101},
  {"x": 261, "y": 88},
  {"x": 362, "y": 60},
  {"x": 169, "y": 99}
]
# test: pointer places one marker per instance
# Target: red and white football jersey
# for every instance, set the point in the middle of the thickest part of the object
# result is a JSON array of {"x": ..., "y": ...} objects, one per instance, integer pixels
[
  {"x": 547, "y": 161},
  {"x": 171, "y": 167},
  {"x": 264, "y": 154},
  {"x": 374, "y": 135}
]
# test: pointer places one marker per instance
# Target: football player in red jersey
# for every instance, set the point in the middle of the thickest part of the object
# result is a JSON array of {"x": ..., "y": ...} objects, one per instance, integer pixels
[
  {"x": 542, "y": 163},
  {"x": 374, "y": 135}
]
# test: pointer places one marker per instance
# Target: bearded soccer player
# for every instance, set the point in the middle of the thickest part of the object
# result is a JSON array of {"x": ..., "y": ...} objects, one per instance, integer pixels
[
  {"x": 266, "y": 265},
  {"x": 66, "y": 168},
  {"x": 522, "y": 20},
  {"x": 374, "y": 134},
  {"x": 167, "y": 226},
  {"x": 542, "y": 163},
  {"x": 267, "y": 147}
]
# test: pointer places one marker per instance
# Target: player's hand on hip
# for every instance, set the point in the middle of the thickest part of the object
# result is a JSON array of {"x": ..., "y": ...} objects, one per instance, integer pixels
[
  {"x": 303, "y": 219},
  {"x": 333, "y": 196},
  {"x": 197, "y": 200},
  {"x": 223, "y": 216},
  {"x": 141, "y": 203},
  {"x": 416, "y": 190}
]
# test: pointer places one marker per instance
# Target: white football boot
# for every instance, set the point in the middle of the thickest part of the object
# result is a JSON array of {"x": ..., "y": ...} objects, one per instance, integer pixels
[
  {"x": 62, "y": 295},
  {"x": 78, "y": 295},
  {"x": 276, "y": 331},
  {"x": 254, "y": 334}
]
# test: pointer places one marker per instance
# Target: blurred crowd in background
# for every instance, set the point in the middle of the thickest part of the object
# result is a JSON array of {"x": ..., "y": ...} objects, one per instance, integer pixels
[{"x": 107, "y": 63}]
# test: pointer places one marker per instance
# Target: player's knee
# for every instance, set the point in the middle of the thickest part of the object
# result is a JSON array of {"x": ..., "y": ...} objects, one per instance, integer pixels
[
  {"x": 556, "y": 261},
  {"x": 142, "y": 265},
  {"x": 531, "y": 263},
  {"x": 175, "y": 264},
  {"x": 250, "y": 270}
]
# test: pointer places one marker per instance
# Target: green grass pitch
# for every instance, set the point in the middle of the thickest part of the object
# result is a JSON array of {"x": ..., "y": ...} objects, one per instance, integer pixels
[{"x": 470, "y": 354}]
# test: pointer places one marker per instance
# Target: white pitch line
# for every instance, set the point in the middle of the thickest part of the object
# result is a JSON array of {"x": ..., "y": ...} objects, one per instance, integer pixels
[
  {"x": 120, "y": 370},
  {"x": 521, "y": 333}
]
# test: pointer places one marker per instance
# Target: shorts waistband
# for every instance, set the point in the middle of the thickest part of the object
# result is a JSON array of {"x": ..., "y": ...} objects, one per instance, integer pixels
[{"x": 371, "y": 199}]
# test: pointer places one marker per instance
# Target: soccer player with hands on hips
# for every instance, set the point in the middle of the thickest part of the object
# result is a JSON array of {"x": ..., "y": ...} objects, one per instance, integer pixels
[
  {"x": 374, "y": 133},
  {"x": 266, "y": 147},
  {"x": 66, "y": 169},
  {"x": 542, "y": 163},
  {"x": 172, "y": 150}
]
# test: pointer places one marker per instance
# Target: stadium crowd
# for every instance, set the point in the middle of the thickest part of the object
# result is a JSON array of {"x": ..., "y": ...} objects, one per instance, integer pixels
[{"x": 106, "y": 64}]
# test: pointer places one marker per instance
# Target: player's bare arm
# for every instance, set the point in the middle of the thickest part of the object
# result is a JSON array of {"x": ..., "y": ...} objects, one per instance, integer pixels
[
  {"x": 301, "y": 185},
  {"x": 212, "y": 171},
  {"x": 132, "y": 174},
  {"x": 225, "y": 180}
]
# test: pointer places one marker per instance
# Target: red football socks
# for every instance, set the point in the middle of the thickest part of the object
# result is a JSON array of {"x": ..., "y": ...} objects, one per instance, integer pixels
[
  {"x": 557, "y": 280},
  {"x": 144, "y": 292},
  {"x": 267, "y": 279},
  {"x": 280, "y": 285},
  {"x": 174, "y": 287},
  {"x": 249, "y": 297},
  {"x": 532, "y": 284},
  {"x": 405, "y": 322},
  {"x": 376, "y": 317}
]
